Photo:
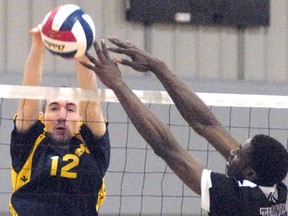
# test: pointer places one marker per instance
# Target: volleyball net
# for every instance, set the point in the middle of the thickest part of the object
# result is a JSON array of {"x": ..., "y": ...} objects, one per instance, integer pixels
[{"x": 137, "y": 181}]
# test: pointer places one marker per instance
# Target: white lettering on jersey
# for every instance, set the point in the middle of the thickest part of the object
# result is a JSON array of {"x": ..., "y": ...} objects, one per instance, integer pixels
[{"x": 276, "y": 210}]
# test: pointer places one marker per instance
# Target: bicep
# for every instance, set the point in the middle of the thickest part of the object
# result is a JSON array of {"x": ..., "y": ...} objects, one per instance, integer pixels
[{"x": 91, "y": 111}]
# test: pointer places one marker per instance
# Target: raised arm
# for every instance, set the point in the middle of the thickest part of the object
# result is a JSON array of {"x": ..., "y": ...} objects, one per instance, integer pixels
[
  {"x": 90, "y": 111},
  {"x": 191, "y": 107},
  {"x": 156, "y": 134},
  {"x": 28, "y": 110}
]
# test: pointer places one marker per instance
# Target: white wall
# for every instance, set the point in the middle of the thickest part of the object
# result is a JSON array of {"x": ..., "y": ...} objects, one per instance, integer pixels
[{"x": 200, "y": 52}]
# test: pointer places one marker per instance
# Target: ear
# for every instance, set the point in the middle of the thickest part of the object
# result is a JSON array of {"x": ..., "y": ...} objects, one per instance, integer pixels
[
  {"x": 250, "y": 174},
  {"x": 41, "y": 115}
]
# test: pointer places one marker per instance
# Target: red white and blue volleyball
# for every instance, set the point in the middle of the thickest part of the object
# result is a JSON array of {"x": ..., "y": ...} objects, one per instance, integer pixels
[{"x": 68, "y": 31}]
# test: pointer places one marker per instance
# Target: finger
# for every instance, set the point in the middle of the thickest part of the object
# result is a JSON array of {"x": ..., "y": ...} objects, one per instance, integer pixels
[
  {"x": 87, "y": 65},
  {"x": 116, "y": 59},
  {"x": 34, "y": 30},
  {"x": 115, "y": 62},
  {"x": 39, "y": 26},
  {"x": 133, "y": 65},
  {"x": 129, "y": 63},
  {"x": 128, "y": 52},
  {"x": 99, "y": 52},
  {"x": 117, "y": 50},
  {"x": 118, "y": 42},
  {"x": 104, "y": 49},
  {"x": 91, "y": 58}
]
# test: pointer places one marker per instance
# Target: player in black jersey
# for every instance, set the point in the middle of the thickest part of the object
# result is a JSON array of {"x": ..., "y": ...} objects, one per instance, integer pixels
[
  {"x": 255, "y": 169},
  {"x": 60, "y": 156}
]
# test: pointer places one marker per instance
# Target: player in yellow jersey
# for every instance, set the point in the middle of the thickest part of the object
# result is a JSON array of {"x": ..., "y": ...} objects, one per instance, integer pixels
[{"x": 59, "y": 156}]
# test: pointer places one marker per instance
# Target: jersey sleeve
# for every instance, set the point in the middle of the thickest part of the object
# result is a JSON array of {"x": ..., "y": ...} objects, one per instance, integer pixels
[
  {"x": 219, "y": 194},
  {"x": 98, "y": 146},
  {"x": 22, "y": 144}
]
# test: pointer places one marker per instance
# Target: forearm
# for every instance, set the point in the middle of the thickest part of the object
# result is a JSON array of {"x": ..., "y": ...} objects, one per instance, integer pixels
[
  {"x": 91, "y": 111},
  {"x": 152, "y": 130},
  {"x": 191, "y": 107},
  {"x": 195, "y": 111},
  {"x": 28, "y": 110},
  {"x": 33, "y": 68},
  {"x": 159, "y": 137}
]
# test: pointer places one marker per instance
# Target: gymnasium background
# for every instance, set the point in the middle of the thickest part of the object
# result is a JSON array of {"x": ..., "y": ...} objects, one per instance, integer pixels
[{"x": 208, "y": 58}]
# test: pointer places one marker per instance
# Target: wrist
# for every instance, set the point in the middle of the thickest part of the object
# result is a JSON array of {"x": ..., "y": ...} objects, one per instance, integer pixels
[
  {"x": 158, "y": 67},
  {"x": 38, "y": 47},
  {"x": 117, "y": 84}
]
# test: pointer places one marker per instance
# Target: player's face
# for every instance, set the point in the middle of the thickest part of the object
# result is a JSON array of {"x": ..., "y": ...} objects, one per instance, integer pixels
[
  {"x": 62, "y": 119},
  {"x": 239, "y": 161}
]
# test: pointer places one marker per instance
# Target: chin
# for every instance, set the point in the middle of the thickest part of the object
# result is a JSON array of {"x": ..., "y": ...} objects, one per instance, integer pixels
[
  {"x": 60, "y": 139},
  {"x": 63, "y": 139}
]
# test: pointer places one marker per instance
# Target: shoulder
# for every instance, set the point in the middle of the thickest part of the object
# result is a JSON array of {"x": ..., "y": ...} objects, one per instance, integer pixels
[
  {"x": 36, "y": 128},
  {"x": 85, "y": 131},
  {"x": 219, "y": 192},
  {"x": 214, "y": 178}
]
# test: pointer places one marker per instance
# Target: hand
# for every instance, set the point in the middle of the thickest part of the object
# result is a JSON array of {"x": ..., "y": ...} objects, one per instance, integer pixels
[
  {"x": 104, "y": 67},
  {"x": 140, "y": 60},
  {"x": 36, "y": 35}
]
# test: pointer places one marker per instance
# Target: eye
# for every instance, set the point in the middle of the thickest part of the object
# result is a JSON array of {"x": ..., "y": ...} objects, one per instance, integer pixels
[
  {"x": 71, "y": 109},
  {"x": 53, "y": 108}
]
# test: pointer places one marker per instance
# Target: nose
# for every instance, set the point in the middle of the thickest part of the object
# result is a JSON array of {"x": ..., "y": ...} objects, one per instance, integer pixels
[
  {"x": 62, "y": 115},
  {"x": 61, "y": 120}
]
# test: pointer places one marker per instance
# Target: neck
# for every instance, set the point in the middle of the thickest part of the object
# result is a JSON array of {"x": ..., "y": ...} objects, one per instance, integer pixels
[{"x": 59, "y": 143}]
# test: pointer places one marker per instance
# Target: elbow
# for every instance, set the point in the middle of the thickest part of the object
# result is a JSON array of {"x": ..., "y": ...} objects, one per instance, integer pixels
[
  {"x": 163, "y": 146},
  {"x": 156, "y": 141},
  {"x": 203, "y": 129}
]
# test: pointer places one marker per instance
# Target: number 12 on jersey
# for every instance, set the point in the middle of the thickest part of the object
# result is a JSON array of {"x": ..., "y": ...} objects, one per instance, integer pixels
[{"x": 65, "y": 170}]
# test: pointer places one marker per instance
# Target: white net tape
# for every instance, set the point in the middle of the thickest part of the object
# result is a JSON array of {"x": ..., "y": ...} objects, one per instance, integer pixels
[{"x": 153, "y": 97}]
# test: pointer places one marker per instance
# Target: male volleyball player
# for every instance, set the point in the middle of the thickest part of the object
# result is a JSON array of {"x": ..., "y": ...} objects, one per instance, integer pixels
[
  {"x": 60, "y": 156},
  {"x": 255, "y": 169}
]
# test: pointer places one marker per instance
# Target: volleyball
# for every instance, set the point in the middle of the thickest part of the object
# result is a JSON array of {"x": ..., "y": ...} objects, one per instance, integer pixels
[{"x": 68, "y": 31}]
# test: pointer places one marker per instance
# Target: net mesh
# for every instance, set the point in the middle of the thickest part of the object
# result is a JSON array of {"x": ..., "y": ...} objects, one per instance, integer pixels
[{"x": 138, "y": 182}]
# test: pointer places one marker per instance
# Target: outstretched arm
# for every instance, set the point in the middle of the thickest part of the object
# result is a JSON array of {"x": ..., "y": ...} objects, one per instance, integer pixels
[
  {"x": 156, "y": 134},
  {"x": 28, "y": 110},
  {"x": 91, "y": 111},
  {"x": 191, "y": 107}
]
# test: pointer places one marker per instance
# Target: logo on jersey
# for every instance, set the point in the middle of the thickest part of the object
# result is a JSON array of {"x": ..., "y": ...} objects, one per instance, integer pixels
[
  {"x": 24, "y": 178},
  {"x": 276, "y": 210}
]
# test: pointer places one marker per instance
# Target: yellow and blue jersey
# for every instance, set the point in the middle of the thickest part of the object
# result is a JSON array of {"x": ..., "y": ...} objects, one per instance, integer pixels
[{"x": 50, "y": 180}]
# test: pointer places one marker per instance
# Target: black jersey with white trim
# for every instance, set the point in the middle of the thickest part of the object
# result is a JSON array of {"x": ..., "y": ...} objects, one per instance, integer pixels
[
  {"x": 222, "y": 195},
  {"x": 50, "y": 180}
]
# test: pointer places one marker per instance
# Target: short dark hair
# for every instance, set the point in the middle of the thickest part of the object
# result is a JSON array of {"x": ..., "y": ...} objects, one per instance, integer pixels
[{"x": 269, "y": 158}]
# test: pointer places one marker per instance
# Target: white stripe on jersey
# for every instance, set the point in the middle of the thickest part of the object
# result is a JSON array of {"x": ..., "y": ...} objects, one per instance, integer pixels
[{"x": 206, "y": 184}]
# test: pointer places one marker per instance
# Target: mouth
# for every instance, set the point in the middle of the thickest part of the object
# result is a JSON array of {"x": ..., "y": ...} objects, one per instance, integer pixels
[{"x": 60, "y": 129}]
